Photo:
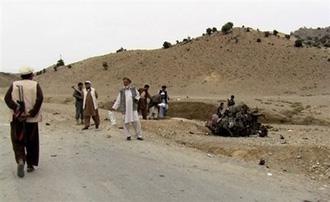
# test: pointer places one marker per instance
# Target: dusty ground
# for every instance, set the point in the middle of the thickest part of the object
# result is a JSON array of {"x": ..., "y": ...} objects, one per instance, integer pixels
[
  {"x": 298, "y": 141},
  {"x": 99, "y": 165}
]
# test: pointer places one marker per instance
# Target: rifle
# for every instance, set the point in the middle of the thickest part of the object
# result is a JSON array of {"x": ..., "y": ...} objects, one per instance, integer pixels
[
  {"x": 20, "y": 114},
  {"x": 76, "y": 89},
  {"x": 21, "y": 104}
]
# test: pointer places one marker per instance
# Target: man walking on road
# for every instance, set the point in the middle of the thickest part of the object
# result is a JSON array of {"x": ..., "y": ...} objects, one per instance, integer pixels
[
  {"x": 127, "y": 103},
  {"x": 24, "y": 98},
  {"x": 90, "y": 106}
]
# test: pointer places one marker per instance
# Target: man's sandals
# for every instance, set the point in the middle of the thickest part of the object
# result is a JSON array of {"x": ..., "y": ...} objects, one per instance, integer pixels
[
  {"x": 20, "y": 168},
  {"x": 30, "y": 169}
]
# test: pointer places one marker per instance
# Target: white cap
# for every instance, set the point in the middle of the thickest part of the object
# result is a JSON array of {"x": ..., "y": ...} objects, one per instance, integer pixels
[
  {"x": 88, "y": 82},
  {"x": 26, "y": 70}
]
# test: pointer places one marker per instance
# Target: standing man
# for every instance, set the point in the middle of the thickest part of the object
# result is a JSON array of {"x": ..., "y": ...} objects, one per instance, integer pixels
[
  {"x": 24, "y": 98},
  {"x": 231, "y": 101},
  {"x": 164, "y": 99},
  {"x": 127, "y": 103},
  {"x": 90, "y": 105},
  {"x": 143, "y": 102},
  {"x": 78, "y": 95},
  {"x": 220, "y": 110}
]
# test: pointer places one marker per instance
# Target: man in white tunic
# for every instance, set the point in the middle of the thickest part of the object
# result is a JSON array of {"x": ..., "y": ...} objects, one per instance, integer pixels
[{"x": 127, "y": 103}]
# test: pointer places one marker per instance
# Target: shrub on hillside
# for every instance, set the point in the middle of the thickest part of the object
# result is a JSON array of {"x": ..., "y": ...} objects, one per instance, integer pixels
[
  {"x": 298, "y": 43},
  {"x": 258, "y": 40},
  {"x": 60, "y": 63},
  {"x": 44, "y": 71},
  {"x": 69, "y": 66},
  {"x": 166, "y": 45},
  {"x": 55, "y": 68},
  {"x": 275, "y": 32},
  {"x": 227, "y": 27},
  {"x": 208, "y": 31},
  {"x": 105, "y": 65},
  {"x": 214, "y": 29},
  {"x": 121, "y": 49},
  {"x": 266, "y": 34},
  {"x": 287, "y": 36},
  {"x": 248, "y": 29}
]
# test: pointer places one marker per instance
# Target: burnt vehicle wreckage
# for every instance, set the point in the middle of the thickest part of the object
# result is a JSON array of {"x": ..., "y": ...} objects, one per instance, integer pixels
[{"x": 237, "y": 121}]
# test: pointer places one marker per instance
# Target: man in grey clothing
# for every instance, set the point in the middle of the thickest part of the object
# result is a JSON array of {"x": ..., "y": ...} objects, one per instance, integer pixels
[{"x": 78, "y": 95}]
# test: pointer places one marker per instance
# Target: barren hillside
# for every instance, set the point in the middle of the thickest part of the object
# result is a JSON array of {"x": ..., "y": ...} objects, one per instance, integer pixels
[
  {"x": 207, "y": 66},
  {"x": 6, "y": 79}
]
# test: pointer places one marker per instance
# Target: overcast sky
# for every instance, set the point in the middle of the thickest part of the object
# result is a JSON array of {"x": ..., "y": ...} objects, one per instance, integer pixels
[{"x": 37, "y": 32}]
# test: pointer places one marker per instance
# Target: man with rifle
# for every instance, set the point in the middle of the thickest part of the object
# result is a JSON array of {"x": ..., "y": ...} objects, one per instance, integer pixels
[
  {"x": 78, "y": 95},
  {"x": 24, "y": 98}
]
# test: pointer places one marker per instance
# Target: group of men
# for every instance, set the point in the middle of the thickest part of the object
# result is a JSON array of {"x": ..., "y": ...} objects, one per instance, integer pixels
[
  {"x": 25, "y": 97},
  {"x": 153, "y": 107},
  {"x": 221, "y": 112},
  {"x": 131, "y": 102},
  {"x": 86, "y": 104}
]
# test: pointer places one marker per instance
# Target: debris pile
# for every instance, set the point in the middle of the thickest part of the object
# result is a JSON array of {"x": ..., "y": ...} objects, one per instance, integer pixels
[{"x": 237, "y": 121}]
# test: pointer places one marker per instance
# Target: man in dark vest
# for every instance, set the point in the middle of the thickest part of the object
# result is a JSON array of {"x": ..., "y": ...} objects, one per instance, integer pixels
[
  {"x": 24, "y": 98},
  {"x": 127, "y": 103},
  {"x": 143, "y": 102},
  {"x": 231, "y": 101},
  {"x": 78, "y": 95}
]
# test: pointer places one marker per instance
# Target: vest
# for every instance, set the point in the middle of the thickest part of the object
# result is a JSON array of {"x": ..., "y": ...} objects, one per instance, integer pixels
[
  {"x": 122, "y": 107},
  {"x": 93, "y": 94},
  {"x": 30, "y": 96}
]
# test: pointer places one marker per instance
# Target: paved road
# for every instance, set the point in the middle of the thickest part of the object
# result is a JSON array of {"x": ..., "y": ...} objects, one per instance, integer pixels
[{"x": 90, "y": 166}]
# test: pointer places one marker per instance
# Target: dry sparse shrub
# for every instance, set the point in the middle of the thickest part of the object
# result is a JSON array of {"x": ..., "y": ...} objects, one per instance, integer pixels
[
  {"x": 287, "y": 36},
  {"x": 166, "y": 45},
  {"x": 227, "y": 27},
  {"x": 121, "y": 50},
  {"x": 60, "y": 63},
  {"x": 208, "y": 31},
  {"x": 105, "y": 65},
  {"x": 266, "y": 34},
  {"x": 298, "y": 43},
  {"x": 258, "y": 40}
]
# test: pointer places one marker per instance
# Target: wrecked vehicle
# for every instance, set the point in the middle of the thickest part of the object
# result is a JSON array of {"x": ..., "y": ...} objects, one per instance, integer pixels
[{"x": 237, "y": 121}]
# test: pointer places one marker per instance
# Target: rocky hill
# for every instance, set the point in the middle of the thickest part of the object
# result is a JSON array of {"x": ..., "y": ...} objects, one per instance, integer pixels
[{"x": 319, "y": 37}]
